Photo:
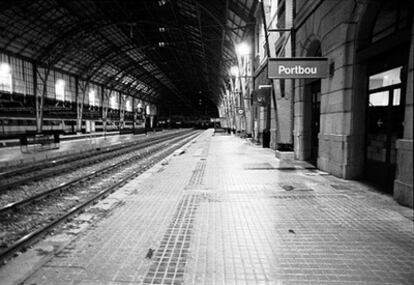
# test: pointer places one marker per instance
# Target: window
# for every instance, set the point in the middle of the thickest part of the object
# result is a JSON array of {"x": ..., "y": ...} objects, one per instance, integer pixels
[
  {"x": 60, "y": 89},
  {"x": 396, "y": 97},
  {"x": 128, "y": 104},
  {"x": 18, "y": 76},
  {"x": 71, "y": 89},
  {"x": 113, "y": 101},
  {"x": 379, "y": 99},
  {"x": 386, "y": 78},
  {"x": 92, "y": 97},
  {"x": 50, "y": 85},
  {"x": 5, "y": 77},
  {"x": 28, "y": 78}
]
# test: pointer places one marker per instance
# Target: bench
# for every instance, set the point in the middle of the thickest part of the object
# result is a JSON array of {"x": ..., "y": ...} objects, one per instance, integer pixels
[{"x": 39, "y": 142}]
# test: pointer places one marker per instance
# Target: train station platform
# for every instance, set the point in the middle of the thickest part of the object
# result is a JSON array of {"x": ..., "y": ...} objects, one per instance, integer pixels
[
  {"x": 13, "y": 155},
  {"x": 63, "y": 137},
  {"x": 225, "y": 211}
]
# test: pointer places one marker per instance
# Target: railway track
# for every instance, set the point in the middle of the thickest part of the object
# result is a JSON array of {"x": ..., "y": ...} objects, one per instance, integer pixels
[
  {"x": 30, "y": 219},
  {"x": 17, "y": 177}
]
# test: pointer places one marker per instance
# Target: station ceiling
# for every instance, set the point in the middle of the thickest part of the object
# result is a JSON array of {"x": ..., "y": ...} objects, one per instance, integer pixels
[{"x": 167, "y": 51}]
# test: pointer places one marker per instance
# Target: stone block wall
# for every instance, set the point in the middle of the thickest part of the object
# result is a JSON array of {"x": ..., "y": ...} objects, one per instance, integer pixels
[
  {"x": 403, "y": 184},
  {"x": 335, "y": 24},
  {"x": 329, "y": 25}
]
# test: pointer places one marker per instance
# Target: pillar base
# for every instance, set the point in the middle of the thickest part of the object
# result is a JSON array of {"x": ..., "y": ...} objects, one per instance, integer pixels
[
  {"x": 285, "y": 155},
  {"x": 403, "y": 184}
]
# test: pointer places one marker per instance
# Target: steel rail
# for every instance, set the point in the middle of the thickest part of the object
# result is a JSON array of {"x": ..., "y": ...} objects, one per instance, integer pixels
[
  {"x": 44, "y": 194},
  {"x": 108, "y": 153},
  {"x": 30, "y": 238},
  {"x": 69, "y": 158}
]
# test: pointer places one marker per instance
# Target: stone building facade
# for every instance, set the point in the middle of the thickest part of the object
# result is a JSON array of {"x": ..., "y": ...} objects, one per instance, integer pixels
[{"x": 357, "y": 123}]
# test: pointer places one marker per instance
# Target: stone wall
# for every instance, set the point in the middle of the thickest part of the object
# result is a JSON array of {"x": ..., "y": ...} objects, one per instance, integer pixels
[
  {"x": 329, "y": 25},
  {"x": 337, "y": 26},
  {"x": 403, "y": 184}
]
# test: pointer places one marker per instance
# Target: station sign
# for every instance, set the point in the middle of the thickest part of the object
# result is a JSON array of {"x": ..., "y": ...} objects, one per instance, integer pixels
[{"x": 298, "y": 67}]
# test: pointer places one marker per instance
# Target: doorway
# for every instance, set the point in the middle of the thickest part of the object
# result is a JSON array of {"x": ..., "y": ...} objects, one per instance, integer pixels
[
  {"x": 385, "y": 117},
  {"x": 312, "y": 111},
  {"x": 315, "y": 95},
  {"x": 383, "y": 47}
]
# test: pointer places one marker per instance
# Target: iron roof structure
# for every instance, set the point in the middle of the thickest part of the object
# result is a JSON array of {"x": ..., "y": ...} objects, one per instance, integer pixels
[{"x": 166, "y": 51}]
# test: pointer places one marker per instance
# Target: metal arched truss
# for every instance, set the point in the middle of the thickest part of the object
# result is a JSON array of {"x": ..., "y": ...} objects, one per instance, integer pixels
[{"x": 177, "y": 48}]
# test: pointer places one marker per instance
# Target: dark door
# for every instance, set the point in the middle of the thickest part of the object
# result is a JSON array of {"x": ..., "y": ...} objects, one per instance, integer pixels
[
  {"x": 315, "y": 89},
  {"x": 385, "y": 116}
]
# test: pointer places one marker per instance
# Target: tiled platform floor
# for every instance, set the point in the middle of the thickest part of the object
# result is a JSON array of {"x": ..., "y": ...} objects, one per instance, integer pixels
[{"x": 228, "y": 212}]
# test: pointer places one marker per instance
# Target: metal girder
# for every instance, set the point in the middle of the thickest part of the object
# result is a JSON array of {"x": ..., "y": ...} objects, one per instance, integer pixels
[
  {"x": 94, "y": 26},
  {"x": 175, "y": 26},
  {"x": 68, "y": 39},
  {"x": 138, "y": 94},
  {"x": 86, "y": 27},
  {"x": 98, "y": 39},
  {"x": 144, "y": 71},
  {"x": 29, "y": 28},
  {"x": 248, "y": 18},
  {"x": 202, "y": 43},
  {"x": 226, "y": 12},
  {"x": 108, "y": 54},
  {"x": 124, "y": 69},
  {"x": 185, "y": 39},
  {"x": 8, "y": 3},
  {"x": 216, "y": 19}
]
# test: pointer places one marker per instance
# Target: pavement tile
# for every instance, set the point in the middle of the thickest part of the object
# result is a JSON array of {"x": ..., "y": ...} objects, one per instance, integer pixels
[{"x": 225, "y": 212}]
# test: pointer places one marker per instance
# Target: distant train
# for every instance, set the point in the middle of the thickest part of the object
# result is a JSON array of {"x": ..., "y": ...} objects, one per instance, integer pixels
[
  {"x": 15, "y": 127},
  {"x": 185, "y": 122}
]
